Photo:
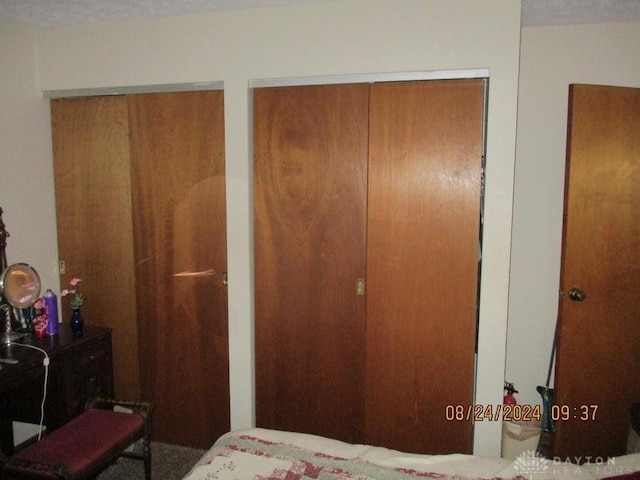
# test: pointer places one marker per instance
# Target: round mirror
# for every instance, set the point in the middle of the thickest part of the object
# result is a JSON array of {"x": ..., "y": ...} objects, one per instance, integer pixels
[{"x": 20, "y": 285}]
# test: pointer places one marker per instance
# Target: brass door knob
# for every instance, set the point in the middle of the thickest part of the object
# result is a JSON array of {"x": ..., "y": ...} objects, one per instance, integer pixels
[{"x": 577, "y": 295}]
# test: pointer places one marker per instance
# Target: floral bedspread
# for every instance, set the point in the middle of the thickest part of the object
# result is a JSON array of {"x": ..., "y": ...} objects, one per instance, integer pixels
[
  {"x": 249, "y": 457},
  {"x": 262, "y": 454}
]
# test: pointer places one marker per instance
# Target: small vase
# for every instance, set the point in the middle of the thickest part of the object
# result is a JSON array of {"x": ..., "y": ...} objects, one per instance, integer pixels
[{"x": 77, "y": 323}]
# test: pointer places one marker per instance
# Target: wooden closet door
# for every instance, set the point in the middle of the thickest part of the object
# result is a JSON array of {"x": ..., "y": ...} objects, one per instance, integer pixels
[
  {"x": 178, "y": 177},
  {"x": 422, "y": 265},
  {"x": 598, "y": 357},
  {"x": 310, "y": 152},
  {"x": 94, "y": 221}
]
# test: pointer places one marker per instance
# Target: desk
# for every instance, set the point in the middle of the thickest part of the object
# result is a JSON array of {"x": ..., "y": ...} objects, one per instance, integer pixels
[{"x": 79, "y": 368}]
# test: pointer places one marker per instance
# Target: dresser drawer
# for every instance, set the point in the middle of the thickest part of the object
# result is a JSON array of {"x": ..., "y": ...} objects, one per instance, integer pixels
[
  {"x": 90, "y": 373},
  {"x": 88, "y": 356},
  {"x": 92, "y": 382}
]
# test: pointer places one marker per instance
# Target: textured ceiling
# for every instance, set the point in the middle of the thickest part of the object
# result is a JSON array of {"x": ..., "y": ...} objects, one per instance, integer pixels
[
  {"x": 75, "y": 12},
  {"x": 568, "y": 12}
]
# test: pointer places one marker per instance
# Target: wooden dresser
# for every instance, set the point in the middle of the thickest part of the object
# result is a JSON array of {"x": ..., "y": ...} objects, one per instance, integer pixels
[{"x": 79, "y": 368}]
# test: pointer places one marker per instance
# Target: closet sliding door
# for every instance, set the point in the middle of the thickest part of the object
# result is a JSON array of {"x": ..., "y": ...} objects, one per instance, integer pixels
[
  {"x": 368, "y": 192},
  {"x": 425, "y": 162},
  {"x": 94, "y": 221},
  {"x": 140, "y": 200},
  {"x": 178, "y": 185},
  {"x": 310, "y": 169}
]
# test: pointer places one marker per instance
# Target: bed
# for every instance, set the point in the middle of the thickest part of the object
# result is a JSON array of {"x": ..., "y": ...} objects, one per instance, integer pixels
[{"x": 262, "y": 454}]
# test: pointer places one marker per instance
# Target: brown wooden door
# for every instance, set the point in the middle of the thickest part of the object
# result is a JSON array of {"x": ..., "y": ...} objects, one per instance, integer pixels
[
  {"x": 417, "y": 148},
  {"x": 310, "y": 161},
  {"x": 140, "y": 198},
  {"x": 425, "y": 165},
  {"x": 94, "y": 220},
  {"x": 178, "y": 185},
  {"x": 598, "y": 357}
]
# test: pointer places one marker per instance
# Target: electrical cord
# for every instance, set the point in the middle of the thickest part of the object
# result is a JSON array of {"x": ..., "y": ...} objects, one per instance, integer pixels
[{"x": 45, "y": 363}]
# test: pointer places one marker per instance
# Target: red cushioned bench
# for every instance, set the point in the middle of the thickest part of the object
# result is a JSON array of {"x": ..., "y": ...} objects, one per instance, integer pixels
[{"x": 88, "y": 444}]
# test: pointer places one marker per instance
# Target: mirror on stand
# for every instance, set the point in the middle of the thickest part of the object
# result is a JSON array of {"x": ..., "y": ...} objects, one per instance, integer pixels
[{"x": 19, "y": 289}]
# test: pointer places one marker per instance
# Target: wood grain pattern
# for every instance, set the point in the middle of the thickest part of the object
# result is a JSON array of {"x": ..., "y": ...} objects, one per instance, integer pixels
[
  {"x": 598, "y": 356},
  {"x": 423, "y": 232},
  {"x": 177, "y": 155},
  {"x": 94, "y": 220},
  {"x": 310, "y": 157}
]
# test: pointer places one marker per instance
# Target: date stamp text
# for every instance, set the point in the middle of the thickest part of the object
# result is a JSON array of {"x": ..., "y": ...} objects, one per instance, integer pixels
[{"x": 518, "y": 412}]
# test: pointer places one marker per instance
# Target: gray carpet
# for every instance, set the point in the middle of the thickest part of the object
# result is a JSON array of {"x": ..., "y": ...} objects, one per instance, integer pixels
[{"x": 168, "y": 462}]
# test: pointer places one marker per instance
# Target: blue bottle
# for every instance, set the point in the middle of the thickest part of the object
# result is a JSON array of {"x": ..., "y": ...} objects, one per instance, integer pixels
[{"x": 51, "y": 308}]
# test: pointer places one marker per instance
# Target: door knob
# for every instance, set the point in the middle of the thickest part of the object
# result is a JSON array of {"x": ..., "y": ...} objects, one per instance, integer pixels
[{"x": 577, "y": 295}]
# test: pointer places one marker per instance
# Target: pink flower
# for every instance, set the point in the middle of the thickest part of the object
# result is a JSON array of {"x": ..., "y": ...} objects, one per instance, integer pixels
[
  {"x": 77, "y": 298},
  {"x": 39, "y": 305}
]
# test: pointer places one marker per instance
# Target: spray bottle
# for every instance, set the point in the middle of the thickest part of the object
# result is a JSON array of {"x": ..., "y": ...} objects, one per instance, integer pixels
[{"x": 51, "y": 309}]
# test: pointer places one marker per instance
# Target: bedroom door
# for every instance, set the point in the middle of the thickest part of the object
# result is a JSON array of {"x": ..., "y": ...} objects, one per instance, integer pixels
[
  {"x": 367, "y": 202},
  {"x": 598, "y": 357}
]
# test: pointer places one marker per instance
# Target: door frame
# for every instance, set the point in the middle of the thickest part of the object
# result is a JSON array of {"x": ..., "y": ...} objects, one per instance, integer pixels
[
  {"x": 125, "y": 90},
  {"x": 369, "y": 78}
]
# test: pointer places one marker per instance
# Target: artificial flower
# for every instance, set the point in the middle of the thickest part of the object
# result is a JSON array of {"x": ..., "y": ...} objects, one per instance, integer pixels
[{"x": 77, "y": 299}]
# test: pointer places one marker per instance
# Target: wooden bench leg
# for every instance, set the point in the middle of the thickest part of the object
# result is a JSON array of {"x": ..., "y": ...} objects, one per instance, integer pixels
[{"x": 146, "y": 451}]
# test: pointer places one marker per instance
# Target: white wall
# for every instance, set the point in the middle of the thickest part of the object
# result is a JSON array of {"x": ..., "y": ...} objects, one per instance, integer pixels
[
  {"x": 26, "y": 170},
  {"x": 551, "y": 59},
  {"x": 333, "y": 38}
]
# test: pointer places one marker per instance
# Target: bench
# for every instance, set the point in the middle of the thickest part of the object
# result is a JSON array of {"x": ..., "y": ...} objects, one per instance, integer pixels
[{"x": 87, "y": 445}]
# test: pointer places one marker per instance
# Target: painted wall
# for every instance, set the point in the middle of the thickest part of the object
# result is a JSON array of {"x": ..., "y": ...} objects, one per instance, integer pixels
[
  {"x": 26, "y": 170},
  {"x": 333, "y": 38},
  {"x": 551, "y": 59}
]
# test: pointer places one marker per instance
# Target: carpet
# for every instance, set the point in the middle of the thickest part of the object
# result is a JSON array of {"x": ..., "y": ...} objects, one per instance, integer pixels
[{"x": 168, "y": 462}]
